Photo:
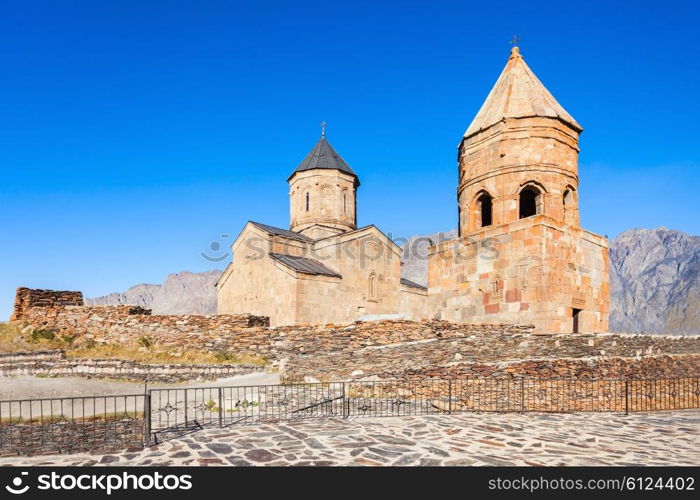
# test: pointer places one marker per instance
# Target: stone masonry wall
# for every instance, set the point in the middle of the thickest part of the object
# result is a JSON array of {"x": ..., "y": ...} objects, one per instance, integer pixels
[
  {"x": 26, "y": 298},
  {"x": 55, "y": 364},
  {"x": 377, "y": 349},
  {"x": 129, "y": 323}
]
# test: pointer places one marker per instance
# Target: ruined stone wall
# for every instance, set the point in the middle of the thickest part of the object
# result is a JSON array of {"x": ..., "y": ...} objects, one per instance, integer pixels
[
  {"x": 505, "y": 354},
  {"x": 117, "y": 324},
  {"x": 379, "y": 348},
  {"x": 26, "y": 298},
  {"x": 55, "y": 364}
]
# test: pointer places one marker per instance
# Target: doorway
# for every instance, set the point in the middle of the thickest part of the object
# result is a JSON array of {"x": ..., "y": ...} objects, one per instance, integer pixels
[{"x": 575, "y": 313}]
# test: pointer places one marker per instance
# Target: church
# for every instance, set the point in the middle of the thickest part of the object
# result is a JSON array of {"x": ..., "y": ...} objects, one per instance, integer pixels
[{"x": 520, "y": 255}]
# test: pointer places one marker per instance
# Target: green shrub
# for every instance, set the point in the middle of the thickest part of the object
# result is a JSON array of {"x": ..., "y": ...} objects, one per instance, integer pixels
[
  {"x": 146, "y": 342},
  {"x": 39, "y": 335},
  {"x": 223, "y": 356},
  {"x": 89, "y": 344}
]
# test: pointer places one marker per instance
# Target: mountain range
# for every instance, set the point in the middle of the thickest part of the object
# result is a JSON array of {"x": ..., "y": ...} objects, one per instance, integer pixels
[
  {"x": 654, "y": 275},
  {"x": 180, "y": 293}
]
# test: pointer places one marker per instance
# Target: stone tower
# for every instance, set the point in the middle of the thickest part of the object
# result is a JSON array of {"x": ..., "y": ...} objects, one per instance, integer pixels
[
  {"x": 521, "y": 255},
  {"x": 322, "y": 193},
  {"x": 519, "y": 156}
]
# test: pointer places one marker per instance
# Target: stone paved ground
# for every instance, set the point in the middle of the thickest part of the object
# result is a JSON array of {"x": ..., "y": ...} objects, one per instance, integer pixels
[{"x": 671, "y": 438}]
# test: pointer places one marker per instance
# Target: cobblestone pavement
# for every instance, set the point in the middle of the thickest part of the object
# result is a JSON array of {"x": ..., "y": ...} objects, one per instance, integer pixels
[{"x": 671, "y": 438}]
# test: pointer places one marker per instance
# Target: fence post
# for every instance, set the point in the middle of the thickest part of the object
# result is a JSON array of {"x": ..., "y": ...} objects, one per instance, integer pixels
[
  {"x": 627, "y": 397},
  {"x": 449, "y": 396},
  {"x": 146, "y": 419},
  {"x": 186, "y": 414},
  {"x": 221, "y": 407},
  {"x": 345, "y": 403},
  {"x": 522, "y": 394}
]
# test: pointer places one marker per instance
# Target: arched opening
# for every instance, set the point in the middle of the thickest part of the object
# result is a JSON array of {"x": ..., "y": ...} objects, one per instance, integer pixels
[
  {"x": 307, "y": 201},
  {"x": 569, "y": 203},
  {"x": 459, "y": 220},
  {"x": 372, "y": 286},
  {"x": 345, "y": 201},
  {"x": 484, "y": 204},
  {"x": 530, "y": 202},
  {"x": 325, "y": 198}
]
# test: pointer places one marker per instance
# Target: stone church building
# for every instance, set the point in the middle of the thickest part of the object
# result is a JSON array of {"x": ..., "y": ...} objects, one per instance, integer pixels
[
  {"x": 324, "y": 269},
  {"x": 520, "y": 257}
]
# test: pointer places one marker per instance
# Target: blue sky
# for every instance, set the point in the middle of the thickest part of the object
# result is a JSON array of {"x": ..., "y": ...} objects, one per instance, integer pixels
[{"x": 133, "y": 134}]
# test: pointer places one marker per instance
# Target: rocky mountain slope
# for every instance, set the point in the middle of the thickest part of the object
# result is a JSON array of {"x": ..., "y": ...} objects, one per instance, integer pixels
[
  {"x": 415, "y": 255},
  {"x": 181, "y": 293},
  {"x": 654, "y": 273},
  {"x": 655, "y": 282}
]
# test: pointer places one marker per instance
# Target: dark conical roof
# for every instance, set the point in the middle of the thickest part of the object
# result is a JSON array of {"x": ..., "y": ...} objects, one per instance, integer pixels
[{"x": 322, "y": 155}]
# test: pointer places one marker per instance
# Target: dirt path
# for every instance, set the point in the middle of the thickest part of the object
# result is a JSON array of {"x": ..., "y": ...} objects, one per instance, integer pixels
[{"x": 29, "y": 387}]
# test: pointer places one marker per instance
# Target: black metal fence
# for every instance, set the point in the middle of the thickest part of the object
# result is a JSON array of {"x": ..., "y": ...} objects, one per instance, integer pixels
[{"x": 69, "y": 425}]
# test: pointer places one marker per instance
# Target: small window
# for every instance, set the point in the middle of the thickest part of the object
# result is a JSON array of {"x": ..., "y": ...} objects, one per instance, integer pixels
[
  {"x": 307, "y": 201},
  {"x": 373, "y": 286},
  {"x": 485, "y": 207},
  {"x": 345, "y": 203},
  {"x": 569, "y": 210},
  {"x": 459, "y": 220},
  {"x": 530, "y": 202}
]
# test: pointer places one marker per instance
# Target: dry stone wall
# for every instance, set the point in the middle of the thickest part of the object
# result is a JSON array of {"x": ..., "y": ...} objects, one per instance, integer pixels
[
  {"x": 382, "y": 349},
  {"x": 55, "y": 364},
  {"x": 26, "y": 298}
]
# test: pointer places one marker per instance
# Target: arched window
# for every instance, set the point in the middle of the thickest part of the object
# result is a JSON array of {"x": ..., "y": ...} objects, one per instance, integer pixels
[
  {"x": 324, "y": 199},
  {"x": 569, "y": 205},
  {"x": 345, "y": 201},
  {"x": 530, "y": 202},
  {"x": 484, "y": 204},
  {"x": 372, "y": 286},
  {"x": 459, "y": 220},
  {"x": 307, "y": 201}
]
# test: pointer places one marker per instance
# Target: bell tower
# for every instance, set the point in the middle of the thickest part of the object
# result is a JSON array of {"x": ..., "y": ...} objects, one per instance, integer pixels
[
  {"x": 521, "y": 256},
  {"x": 322, "y": 193},
  {"x": 519, "y": 156}
]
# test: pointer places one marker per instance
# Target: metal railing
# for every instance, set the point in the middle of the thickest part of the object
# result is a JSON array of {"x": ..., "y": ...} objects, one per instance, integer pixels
[
  {"x": 72, "y": 424},
  {"x": 69, "y": 425},
  {"x": 177, "y": 411}
]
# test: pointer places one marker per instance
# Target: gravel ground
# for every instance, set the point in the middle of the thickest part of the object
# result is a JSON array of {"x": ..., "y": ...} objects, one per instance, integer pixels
[{"x": 29, "y": 387}]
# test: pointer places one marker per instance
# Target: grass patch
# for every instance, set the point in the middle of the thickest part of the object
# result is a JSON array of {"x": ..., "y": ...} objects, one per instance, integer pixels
[
  {"x": 157, "y": 355},
  {"x": 13, "y": 340},
  {"x": 57, "y": 419},
  {"x": 144, "y": 350}
]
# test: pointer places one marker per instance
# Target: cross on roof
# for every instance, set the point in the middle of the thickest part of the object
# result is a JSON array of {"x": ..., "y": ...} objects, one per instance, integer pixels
[
  {"x": 323, "y": 129},
  {"x": 515, "y": 40}
]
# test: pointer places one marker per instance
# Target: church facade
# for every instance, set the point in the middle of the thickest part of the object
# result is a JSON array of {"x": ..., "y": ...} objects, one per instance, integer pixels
[
  {"x": 520, "y": 257},
  {"x": 324, "y": 269}
]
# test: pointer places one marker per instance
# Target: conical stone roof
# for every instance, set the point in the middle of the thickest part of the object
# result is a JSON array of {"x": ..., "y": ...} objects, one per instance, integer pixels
[{"x": 518, "y": 93}]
